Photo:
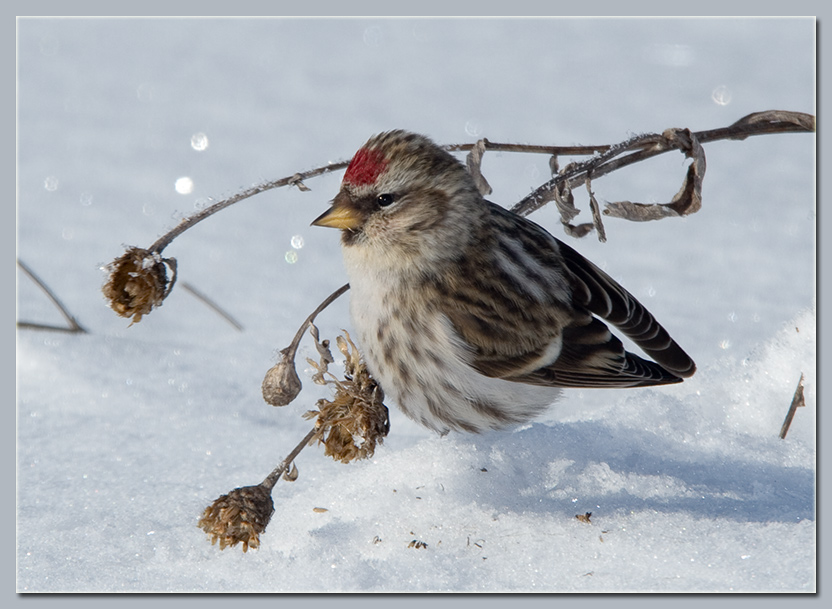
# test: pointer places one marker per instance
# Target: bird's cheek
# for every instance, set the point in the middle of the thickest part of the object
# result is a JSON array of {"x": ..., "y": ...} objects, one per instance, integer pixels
[{"x": 377, "y": 229}]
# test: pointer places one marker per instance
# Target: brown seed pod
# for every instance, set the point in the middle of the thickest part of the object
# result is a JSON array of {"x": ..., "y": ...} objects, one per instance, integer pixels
[
  {"x": 239, "y": 517},
  {"x": 281, "y": 384},
  {"x": 138, "y": 282}
]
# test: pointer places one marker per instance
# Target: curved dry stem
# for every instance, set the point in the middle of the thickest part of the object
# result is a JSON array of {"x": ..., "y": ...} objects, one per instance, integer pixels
[
  {"x": 605, "y": 160},
  {"x": 212, "y": 305},
  {"x": 272, "y": 478},
  {"x": 646, "y": 146},
  {"x": 74, "y": 326},
  {"x": 528, "y": 148},
  {"x": 758, "y": 123},
  {"x": 293, "y": 180},
  {"x": 293, "y": 346},
  {"x": 281, "y": 385}
]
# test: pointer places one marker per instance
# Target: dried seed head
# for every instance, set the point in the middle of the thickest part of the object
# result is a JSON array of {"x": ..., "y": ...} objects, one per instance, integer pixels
[
  {"x": 356, "y": 419},
  {"x": 138, "y": 282},
  {"x": 281, "y": 384},
  {"x": 238, "y": 517}
]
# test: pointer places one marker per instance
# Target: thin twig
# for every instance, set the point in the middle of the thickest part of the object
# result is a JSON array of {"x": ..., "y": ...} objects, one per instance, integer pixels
[
  {"x": 297, "y": 180},
  {"x": 272, "y": 478},
  {"x": 293, "y": 346},
  {"x": 649, "y": 145},
  {"x": 529, "y": 148},
  {"x": 281, "y": 385},
  {"x": 188, "y": 222},
  {"x": 605, "y": 160},
  {"x": 29, "y": 325},
  {"x": 759, "y": 123},
  {"x": 797, "y": 402},
  {"x": 74, "y": 326},
  {"x": 213, "y": 305}
]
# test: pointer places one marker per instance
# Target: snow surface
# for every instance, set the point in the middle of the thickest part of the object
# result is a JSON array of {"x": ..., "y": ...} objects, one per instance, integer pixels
[{"x": 125, "y": 434}]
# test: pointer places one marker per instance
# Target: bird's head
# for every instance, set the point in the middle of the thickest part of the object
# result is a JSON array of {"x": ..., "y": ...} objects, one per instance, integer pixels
[{"x": 404, "y": 193}]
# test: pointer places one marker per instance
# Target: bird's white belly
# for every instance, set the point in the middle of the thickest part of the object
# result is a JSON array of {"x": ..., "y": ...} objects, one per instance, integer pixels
[{"x": 422, "y": 364}]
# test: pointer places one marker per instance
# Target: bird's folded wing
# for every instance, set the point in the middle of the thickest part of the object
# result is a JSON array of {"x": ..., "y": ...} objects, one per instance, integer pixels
[
  {"x": 604, "y": 297},
  {"x": 554, "y": 340},
  {"x": 591, "y": 356}
]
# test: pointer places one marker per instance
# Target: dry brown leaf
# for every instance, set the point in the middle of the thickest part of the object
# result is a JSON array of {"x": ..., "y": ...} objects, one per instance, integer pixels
[
  {"x": 689, "y": 198},
  {"x": 474, "y": 160}
]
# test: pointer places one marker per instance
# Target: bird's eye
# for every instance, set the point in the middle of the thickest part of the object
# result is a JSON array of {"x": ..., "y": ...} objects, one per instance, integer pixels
[{"x": 386, "y": 199}]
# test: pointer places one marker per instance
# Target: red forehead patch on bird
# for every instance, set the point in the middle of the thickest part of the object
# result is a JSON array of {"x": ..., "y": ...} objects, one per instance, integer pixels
[{"x": 365, "y": 167}]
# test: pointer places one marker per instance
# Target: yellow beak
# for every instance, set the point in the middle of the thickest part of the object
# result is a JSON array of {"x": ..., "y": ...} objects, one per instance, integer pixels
[{"x": 339, "y": 216}]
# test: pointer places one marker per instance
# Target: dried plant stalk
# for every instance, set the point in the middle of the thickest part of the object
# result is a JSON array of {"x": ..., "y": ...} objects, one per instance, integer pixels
[
  {"x": 607, "y": 159},
  {"x": 73, "y": 325},
  {"x": 293, "y": 180},
  {"x": 281, "y": 384},
  {"x": 797, "y": 401},
  {"x": 350, "y": 426},
  {"x": 689, "y": 198},
  {"x": 212, "y": 305},
  {"x": 643, "y": 147}
]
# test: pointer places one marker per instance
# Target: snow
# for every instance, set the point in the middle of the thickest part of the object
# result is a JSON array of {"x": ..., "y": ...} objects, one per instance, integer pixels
[{"x": 125, "y": 434}]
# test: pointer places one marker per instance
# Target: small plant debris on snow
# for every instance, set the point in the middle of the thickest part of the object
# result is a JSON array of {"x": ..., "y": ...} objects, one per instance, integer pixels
[{"x": 797, "y": 401}]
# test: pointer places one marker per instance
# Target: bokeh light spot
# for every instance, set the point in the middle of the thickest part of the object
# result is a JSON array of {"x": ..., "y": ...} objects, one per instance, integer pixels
[
  {"x": 184, "y": 185},
  {"x": 721, "y": 95},
  {"x": 199, "y": 141}
]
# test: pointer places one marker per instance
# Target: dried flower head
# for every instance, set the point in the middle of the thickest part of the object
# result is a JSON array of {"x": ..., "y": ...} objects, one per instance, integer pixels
[
  {"x": 355, "y": 420},
  {"x": 239, "y": 517},
  {"x": 281, "y": 384},
  {"x": 138, "y": 282}
]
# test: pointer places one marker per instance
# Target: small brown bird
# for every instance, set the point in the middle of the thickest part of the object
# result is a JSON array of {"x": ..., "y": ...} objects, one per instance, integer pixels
[{"x": 470, "y": 316}]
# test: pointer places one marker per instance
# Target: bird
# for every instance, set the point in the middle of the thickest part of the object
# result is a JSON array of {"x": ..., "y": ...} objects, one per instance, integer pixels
[{"x": 469, "y": 316}]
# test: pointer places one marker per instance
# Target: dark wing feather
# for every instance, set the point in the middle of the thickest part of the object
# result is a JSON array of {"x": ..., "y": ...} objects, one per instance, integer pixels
[
  {"x": 604, "y": 297},
  {"x": 591, "y": 356},
  {"x": 504, "y": 343}
]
